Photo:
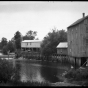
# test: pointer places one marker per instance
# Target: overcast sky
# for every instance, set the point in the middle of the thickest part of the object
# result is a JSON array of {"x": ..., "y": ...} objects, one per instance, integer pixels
[{"x": 40, "y": 16}]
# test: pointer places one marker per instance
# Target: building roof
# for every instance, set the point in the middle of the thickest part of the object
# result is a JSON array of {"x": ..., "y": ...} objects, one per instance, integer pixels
[
  {"x": 62, "y": 45},
  {"x": 32, "y": 41},
  {"x": 78, "y": 21}
]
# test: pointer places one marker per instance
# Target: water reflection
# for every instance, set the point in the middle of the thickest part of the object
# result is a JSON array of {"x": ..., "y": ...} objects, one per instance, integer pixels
[
  {"x": 52, "y": 71},
  {"x": 31, "y": 72},
  {"x": 38, "y": 71},
  {"x": 50, "y": 74}
]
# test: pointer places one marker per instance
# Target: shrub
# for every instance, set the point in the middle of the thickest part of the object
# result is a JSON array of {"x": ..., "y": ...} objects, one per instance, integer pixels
[
  {"x": 6, "y": 71},
  {"x": 78, "y": 74},
  {"x": 10, "y": 75},
  {"x": 30, "y": 83},
  {"x": 18, "y": 53},
  {"x": 4, "y": 50}
]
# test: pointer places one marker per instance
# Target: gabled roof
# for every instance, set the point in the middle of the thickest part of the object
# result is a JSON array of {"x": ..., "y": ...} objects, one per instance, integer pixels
[
  {"x": 78, "y": 21},
  {"x": 62, "y": 45},
  {"x": 32, "y": 41}
]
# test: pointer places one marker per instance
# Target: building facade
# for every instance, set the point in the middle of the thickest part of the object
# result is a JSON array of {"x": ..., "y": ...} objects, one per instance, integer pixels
[
  {"x": 78, "y": 40},
  {"x": 62, "y": 48},
  {"x": 31, "y": 45}
]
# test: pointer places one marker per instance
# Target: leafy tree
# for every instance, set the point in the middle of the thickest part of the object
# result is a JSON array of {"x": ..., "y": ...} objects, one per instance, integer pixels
[
  {"x": 11, "y": 46},
  {"x": 5, "y": 50},
  {"x": 17, "y": 39},
  {"x": 0, "y": 46},
  {"x": 6, "y": 71},
  {"x": 50, "y": 42},
  {"x": 3, "y": 42},
  {"x": 30, "y": 35},
  {"x": 3, "y": 45}
]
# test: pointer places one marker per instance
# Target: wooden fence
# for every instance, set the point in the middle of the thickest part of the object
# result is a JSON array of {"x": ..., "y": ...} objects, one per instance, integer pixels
[{"x": 38, "y": 56}]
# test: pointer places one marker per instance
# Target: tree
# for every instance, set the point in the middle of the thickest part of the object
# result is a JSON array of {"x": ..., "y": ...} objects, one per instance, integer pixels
[
  {"x": 0, "y": 46},
  {"x": 3, "y": 45},
  {"x": 17, "y": 39},
  {"x": 30, "y": 35},
  {"x": 3, "y": 42},
  {"x": 5, "y": 50},
  {"x": 50, "y": 42},
  {"x": 6, "y": 71},
  {"x": 11, "y": 46}
]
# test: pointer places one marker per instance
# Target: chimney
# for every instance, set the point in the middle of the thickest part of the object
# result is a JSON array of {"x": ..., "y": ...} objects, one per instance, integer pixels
[{"x": 83, "y": 15}]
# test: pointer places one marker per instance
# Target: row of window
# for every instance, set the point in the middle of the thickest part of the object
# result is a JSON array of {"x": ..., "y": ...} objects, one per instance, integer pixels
[{"x": 28, "y": 43}]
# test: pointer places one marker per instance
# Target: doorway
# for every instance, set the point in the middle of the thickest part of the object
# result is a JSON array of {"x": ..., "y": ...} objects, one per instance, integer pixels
[{"x": 83, "y": 60}]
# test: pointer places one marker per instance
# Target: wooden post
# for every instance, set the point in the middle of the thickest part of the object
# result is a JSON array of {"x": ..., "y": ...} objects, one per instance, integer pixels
[
  {"x": 75, "y": 62},
  {"x": 8, "y": 54}
]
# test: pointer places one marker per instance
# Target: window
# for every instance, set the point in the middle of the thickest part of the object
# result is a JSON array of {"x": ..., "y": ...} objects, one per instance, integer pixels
[
  {"x": 30, "y": 43},
  {"x": 27, "y": 43}
]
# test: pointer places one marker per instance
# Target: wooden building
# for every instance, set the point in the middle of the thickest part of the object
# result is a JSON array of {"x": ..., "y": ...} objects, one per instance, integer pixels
[
  {"x": 31, "y": 45},
  {"x": 62, "y": 48},
  {"x": 78, "y": 40}
]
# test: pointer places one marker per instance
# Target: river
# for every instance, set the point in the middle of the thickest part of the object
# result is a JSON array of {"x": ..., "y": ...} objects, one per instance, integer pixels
[{"x": 39, "y": 71}]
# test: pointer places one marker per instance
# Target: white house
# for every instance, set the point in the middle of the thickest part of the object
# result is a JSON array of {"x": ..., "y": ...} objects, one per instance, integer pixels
[
  {"x": 62, "y": 48},
  {"x": 31, "y": 45}
]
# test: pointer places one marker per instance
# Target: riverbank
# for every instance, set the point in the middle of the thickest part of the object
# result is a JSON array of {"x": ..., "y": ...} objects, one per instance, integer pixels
[
  {"x": 57, "y": 78},
  {"x": 40, "y": 84},
  {"x": 7, "y": 56},
  {"x": 19, "y": 83},
  {"x": 78, "y": 76},
  {"x": 65, "y": 82}
]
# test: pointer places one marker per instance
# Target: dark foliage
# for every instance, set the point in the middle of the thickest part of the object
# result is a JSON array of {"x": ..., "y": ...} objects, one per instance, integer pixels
[
  {"x": 6, "y": 71},
  {"x": 48, "y": 46},
  {"x": 30, "y": 35},
  {"x": 17, "y": 39}
]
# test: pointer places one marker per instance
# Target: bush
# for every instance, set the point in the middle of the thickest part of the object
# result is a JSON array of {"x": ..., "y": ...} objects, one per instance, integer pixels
[
  {"x": 6, "y": 71},
  {"x": 5, "y": 50},
  {"x": 78, "y": 74},
  {"x": 19, "y": 83},
  {"x": 18, "y": 53},
  {"x": 10, "y": 75}
]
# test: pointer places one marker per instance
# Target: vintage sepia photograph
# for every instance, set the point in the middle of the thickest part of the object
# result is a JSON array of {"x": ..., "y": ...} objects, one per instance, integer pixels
[{"x": 44, "y": 43}]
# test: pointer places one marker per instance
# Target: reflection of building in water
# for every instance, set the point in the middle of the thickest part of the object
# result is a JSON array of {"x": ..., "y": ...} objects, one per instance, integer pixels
[
  {"x": 14, "y": 64},
  {"x": 31, "y": 73},
  {"x": 31, "y": 45}
]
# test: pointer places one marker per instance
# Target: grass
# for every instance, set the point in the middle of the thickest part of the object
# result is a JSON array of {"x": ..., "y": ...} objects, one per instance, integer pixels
[
  {"x": 6, "y": 56},
  {"x": 19, "y": 83},
  {"x": 80, "y": 76}
]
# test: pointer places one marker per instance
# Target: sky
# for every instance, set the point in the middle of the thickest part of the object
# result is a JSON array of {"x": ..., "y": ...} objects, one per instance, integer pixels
[{"x": 40, "y": 16}]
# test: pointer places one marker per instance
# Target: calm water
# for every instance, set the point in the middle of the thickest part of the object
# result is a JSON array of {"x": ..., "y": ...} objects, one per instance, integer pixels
[{"x": 40, "y": 71}]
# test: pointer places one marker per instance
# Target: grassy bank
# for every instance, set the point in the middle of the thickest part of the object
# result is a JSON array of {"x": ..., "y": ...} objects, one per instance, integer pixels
[
  {"x": 6, "y": 56},
  {"x": 19, "y": 83},
  {"x": 78, "y": 76}
]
